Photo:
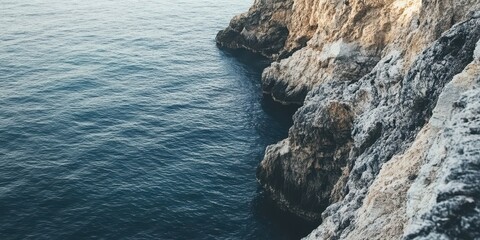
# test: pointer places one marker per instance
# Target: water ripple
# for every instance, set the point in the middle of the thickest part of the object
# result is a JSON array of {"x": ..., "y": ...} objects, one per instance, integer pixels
[{"x": 122, "y": 120}]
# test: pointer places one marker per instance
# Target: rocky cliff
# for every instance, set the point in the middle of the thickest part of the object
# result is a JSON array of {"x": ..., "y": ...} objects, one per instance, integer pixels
[{"x": 387, "y": 142}]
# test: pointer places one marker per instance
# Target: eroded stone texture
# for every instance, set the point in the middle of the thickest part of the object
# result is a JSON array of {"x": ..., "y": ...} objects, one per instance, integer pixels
[
  {"x": 352, "y": 36},
  {"x": 273, "y": 28},
  {"x": 302, "y": 178},
  {"x": 453, "y": 209},
  {"x": 381, "y": 116},
  {"x": 403, "y": 197},
  {"x": 444, "y": 201},
  {"x": 402, "y": 113}
]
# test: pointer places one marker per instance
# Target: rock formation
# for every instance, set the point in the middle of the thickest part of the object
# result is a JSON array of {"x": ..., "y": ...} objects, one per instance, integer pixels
[
  {"x": 387, "y": 142},
  {"x": 273, "y": 28}
]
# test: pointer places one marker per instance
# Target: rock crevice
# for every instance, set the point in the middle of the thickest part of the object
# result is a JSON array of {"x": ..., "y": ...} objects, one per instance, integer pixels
[{"x": 390, "y": 95}]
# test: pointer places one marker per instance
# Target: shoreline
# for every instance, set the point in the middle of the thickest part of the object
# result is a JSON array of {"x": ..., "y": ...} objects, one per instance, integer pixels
[{"x": 366, "y": 99}]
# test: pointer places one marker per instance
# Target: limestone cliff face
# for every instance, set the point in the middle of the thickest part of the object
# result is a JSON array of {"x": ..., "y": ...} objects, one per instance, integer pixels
[
  {"x": 343, "y": 39},
  {"x": 387, "y": 142},
  {"x": 429, "y": 189}
]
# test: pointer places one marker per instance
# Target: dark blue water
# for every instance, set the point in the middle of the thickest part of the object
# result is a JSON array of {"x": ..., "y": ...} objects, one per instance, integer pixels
[{"x": 122, "y": 120}]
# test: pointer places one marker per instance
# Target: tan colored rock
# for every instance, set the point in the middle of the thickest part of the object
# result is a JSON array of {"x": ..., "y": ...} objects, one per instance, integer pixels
[
  {"x": 430, "y": 191},
  {"x": 387, "y": 137},
  {"x": 352, "y": 36},
  {"x": 383, "y": 214}
]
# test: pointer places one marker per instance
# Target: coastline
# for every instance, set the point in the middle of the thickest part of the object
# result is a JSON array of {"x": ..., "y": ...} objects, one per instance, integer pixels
[{"x": 371, "y": 93}]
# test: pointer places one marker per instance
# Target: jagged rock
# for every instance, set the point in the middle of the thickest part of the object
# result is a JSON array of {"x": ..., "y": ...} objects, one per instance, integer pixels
[
  {"x": 444, "y": 200},
  {"x": 402, "y": 197},
  {"x": 336, "y": 40},
  {"x": 347, "y": 130},
  {"x": 272, "y": 28},
  {"x": 302, "y": 178},
  {"x": 380, "y": 149},
  {"x": 404, "y": 111}
]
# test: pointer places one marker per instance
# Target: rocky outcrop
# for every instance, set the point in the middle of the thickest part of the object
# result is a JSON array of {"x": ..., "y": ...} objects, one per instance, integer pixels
[
  {"x": 262, "y": 30},
  {"x": 301, "y": 171},
  {"x": 341, "y": 40},
  {"x": 429, "y": 191},
  {"x": 386, "y": 144},
  {"x": 272, "y": 28},
  {"x": 443, "y": 201},
  {"x": 346, "y": 131}
]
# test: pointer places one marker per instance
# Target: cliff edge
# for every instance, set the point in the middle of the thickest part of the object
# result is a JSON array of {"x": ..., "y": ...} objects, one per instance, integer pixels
[{"x": 386, "y": 144}]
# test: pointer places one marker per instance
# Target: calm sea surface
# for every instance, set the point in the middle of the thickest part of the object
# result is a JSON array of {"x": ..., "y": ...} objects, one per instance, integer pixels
[{"x": 122, "y": 120}]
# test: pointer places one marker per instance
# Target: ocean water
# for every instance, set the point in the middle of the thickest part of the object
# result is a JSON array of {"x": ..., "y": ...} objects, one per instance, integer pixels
[{"x": 123, "y": 120}]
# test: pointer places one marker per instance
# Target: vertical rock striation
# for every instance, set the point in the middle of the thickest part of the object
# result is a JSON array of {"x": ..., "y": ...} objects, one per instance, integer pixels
[
  {"x": 443, "y": 201},
  {"x": 346, "y": 131},
  {"x": 404, "y": 197},
  {"x": 387, "y": 142}
]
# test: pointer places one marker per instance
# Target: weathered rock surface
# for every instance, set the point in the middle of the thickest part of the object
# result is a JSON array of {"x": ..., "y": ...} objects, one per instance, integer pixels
[
  {"x": 347, "y": 130},
  {"x": 405, "y": 193},
  {"x": 267, "y": 29},
  {"x": 444, "y": 201},
  {"x": 387, "y": 142},
  {"x": 337, "y": 39}
]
